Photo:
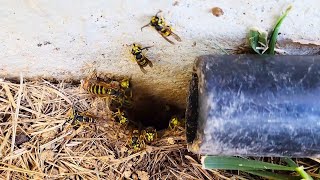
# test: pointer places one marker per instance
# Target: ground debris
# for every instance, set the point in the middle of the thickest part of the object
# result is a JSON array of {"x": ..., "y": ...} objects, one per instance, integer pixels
[{"x": 51, "y": 148}]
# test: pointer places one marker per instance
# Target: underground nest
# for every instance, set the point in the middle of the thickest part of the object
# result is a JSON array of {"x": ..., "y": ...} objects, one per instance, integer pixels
[{"x": 37, "y": 143}]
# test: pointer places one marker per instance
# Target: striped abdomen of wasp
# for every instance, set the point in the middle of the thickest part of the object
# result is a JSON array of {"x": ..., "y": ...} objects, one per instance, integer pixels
[
  {"x": 139, "y": 56},
  {"x": 136, "y": 142},
  {"x": 79, "y": 117},
  {"x": 121, "y": 116},
  {"x": 162, "y": 28},
  {"x": 101, "y": 88},
  {"x": 149, "y": 134}
]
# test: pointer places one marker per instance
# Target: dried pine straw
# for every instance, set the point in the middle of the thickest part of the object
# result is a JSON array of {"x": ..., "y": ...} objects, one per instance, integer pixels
[{"x": 36, "y": 144}]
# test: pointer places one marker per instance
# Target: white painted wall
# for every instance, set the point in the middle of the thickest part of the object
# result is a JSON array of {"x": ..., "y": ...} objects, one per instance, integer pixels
[{"x": 80, "y": 31}]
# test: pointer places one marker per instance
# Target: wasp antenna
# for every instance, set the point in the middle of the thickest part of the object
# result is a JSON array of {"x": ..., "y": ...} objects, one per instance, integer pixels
[
  {"x": 158, "y": 12},
  {"x": 145, "y": 26}
]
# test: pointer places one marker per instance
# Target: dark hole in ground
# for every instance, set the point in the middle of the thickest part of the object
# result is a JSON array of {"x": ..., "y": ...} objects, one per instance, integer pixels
[{"x": 153, "y": 111}]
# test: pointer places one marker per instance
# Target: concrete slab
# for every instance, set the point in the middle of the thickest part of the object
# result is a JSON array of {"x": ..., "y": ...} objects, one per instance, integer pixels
[{"x": 62, "y": 39}]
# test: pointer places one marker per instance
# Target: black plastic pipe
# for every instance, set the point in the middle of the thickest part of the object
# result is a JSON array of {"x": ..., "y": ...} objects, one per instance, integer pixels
[{"x": 255, "y": 106}]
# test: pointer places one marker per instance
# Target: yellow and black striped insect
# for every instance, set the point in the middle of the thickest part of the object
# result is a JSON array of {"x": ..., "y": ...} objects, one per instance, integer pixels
[
  {"x": 77, "y": 117},
  {"x": 155, "y": 22},
  {"x": 126, "y": 88},
  {"x": 136, "y": 142},
  {"x": 149, "y": 134},
  {"x": 140, "y": 57},
  {"x": 121, "y": 101},
  {"x": 176, "y": 122},
  {"x": 166, "y": 31},
  {"x": 162, "y": 28},
  {"x": 101, "y": 88},
  {"x": 121, "y": 116},
  {"x": 125, "y": 83}
]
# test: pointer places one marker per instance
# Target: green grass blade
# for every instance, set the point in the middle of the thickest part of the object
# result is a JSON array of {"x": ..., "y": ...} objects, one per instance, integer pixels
[
  {"x": 299, "y": 170},
  {"x": 271, "y": 175},
  {"x": 290, "y": 162},
  {"x": 275, "y": 31},
  {"x": 235, "y": 163},
  {"x": 303, "y": 174}
]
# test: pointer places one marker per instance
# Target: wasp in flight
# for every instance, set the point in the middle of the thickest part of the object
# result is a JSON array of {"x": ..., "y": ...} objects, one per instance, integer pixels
[
  {"x": 149, "y": 134},
  {"x": 140, "y": 58},
  {"x": 136, "y": 141},
  {"x": 162, "y": 28}
]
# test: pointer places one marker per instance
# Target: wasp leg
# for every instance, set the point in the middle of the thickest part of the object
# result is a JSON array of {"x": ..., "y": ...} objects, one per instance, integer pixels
[
  {"x": 143, "y": 70},
  {"x": 145, "y": 26},
  {"x": 166, "y": 38},
  {"x": 69, "y": 119},
  {"x": 150, "y": 63},
  {"x": 176, "y": 37}
]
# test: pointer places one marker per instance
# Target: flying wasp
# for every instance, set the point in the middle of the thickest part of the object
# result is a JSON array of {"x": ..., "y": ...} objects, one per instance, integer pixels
[
  {"x": 162, "y": 28},
  {"x": 100, "y": 88},
  {"x": 149, "y": 134},
  {"x": 136, "y": 142},
  {"x": 139, "y": 56}
]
